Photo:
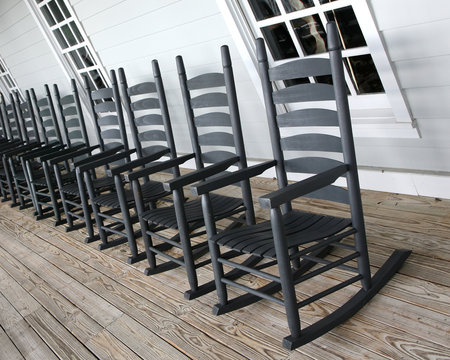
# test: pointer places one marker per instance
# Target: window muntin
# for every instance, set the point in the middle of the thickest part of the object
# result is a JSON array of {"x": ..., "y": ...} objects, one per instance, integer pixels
[
  {"x": 296, "y": 28},
  {"x": 7, "y": 80},
  {"x": 72, "y": 43}
]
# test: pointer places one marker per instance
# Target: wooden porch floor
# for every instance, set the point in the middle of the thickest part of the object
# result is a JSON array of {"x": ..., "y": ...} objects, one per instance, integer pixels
[{"x": 61, "y": 298}]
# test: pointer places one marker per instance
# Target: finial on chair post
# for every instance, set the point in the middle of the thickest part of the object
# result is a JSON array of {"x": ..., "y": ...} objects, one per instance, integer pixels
[{"x": 333, "y": 41}]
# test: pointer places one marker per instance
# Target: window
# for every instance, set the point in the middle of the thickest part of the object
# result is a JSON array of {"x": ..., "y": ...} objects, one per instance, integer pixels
[
  {"x": 69, "y": 38},
  {"x": 7, "y": 81},
  {"x": 297, "y": 28}
]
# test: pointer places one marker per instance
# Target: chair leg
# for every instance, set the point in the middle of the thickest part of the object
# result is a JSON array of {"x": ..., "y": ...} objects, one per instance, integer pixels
[
  {"x": 126, "y": 218},
  {"x": 214, "y": 253},
  {"x": 284, "y": 267},
  {"x": 86, "y": 208},
  {"x": 183, "y": 230}
]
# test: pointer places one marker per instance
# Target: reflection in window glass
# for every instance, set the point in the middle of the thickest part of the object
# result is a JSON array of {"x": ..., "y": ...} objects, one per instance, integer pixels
[
  {"x": 64, "y": 8},
  {"x": 350, "y": 32},
  {"x": 364, "y": 74},
  {"x": 76, "y": 31},
  {"x": 97, "y": 79},
  {"x": 264, "y": 9},
  {"x": 311, "y": 34},
  {"x": 76, "y": 59},
  {"x": 279, "y": 41},
  {"x": 60, "y": 38},
  {"x": 295, "y": 5},
  {"x": 70, "y": 37},
  {"x": 55, "y": 11},
  {"x": 86, "y": 57},
  {"x": 48, "y": 16}
]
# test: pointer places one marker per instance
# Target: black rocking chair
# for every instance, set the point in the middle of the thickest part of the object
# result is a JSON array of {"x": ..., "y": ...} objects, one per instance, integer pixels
[
  {"x": 146, "y": 108},
  {"x": 294, "y": 243},
  {"x": 210, "y": 102}
]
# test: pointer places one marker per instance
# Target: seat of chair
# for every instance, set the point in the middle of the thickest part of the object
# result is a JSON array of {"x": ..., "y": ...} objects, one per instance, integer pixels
[
  {"x": 151, "y": 191},
  {"x": 165, "y": 216},
  {"x": 41, "y": 181},
  {"x": 99, "y": 184},
  {"x": 300, "y": 228}
]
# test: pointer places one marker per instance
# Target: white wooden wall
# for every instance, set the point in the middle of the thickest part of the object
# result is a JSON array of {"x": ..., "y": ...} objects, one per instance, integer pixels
[
  {"x": 25, "y": 50},
  {"x": 130, "y": 33}
]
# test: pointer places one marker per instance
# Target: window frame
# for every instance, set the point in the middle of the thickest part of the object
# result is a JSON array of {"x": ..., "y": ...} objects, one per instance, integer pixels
[
  {"x": 63, "y": 54},
  {"x": 244, "y": 30},
  {"x": 8, "y": 82}
]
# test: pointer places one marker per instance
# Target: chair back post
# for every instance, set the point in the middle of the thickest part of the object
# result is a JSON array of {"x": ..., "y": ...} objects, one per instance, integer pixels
[
  {"x": 22, "y": 121},
  {"x": 348, "y": 146},
  {"x": 53, "y": 115},
  {"x": 15, "y": 119},
  {"x": 164, "y": 110},
  {"x": 119, "y": 111},
  {"x": 4, "y": 118},
  {"x": 60, "y": 112},
  {"x": 271, "y": 112},
  {"x": 189, "y": 112},
  {"x": 123, "y": 84},
  {"x": 87, "y": 88},
  {"x": 81, "y": 119},
  {"x": 237, "y": 131}
]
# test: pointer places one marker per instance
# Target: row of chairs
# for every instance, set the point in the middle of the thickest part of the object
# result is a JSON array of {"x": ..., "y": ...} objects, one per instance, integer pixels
[{"x": 62, "y": 175}]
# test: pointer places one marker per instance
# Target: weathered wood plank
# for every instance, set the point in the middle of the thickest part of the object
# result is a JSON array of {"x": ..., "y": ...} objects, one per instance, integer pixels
[
  {"x": 8, "y": 349},
  {"x": 59, "y": 339},
  {"x": 107, "y": 346},
  {"x": 143, "y": 342}
]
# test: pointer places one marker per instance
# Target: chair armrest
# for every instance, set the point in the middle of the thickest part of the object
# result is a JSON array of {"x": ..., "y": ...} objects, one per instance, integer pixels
[
  {"x": 100, "y": 155},
  {"x": 105, "y": 160},
  {"x": 72, "y": 154},
  {"x": 138, "y": 162},
  {"x": 230, "y": 178},
  {"x": 60, "y": 153},
  {"x": 201, "y": 174},
  {"x": 158, "y": 167},
  {"x": 22, "y": 148},
  {"x": 293, "y": 191},
  {"x": 44, "y": 150}
]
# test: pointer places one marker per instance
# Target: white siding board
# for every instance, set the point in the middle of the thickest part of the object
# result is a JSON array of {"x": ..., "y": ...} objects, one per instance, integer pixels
[
  {"x": 87, "y": 8},
  {"x": 29, "y": 53},
  {"x": 9, "y": 18},
  {"x": 404, "y": 13},
  {"x": 429, "y": 102},
  {"x": 6, "y": 6},
  {"x": 418, "y": 41},
  {"x": 22, "y": 42},
  {"x": 129, "y": 13},
  {"x": 180, "y": 38},
  {"x": 13, "y": 33},
  {"x": 425, "y": 72}
]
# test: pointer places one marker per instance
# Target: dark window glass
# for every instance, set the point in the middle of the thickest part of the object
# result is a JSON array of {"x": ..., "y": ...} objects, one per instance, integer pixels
[
  {"x": 70, "y": 37},
  {"x": 39, "y": 1},
  {"x": 8, "y": 82},
  {"x": 48, "y": 16},
  {"x": 264, "y": 9},
  {"x": 2, "y": 70},
  {"x": 76, "y": 59},
  {"x": 295, "y": 5},
  {"x": 57, "y": 14},
  {"x": 298, "y": 81},
  {"x": 279, "y": 41},
  {"x": 364, "y": 75},
  {"x": 60, "y": 38},
  {"x": 64, "y": 8},
  {"x": 311, "y": 34},
  {"x": 326, "y": 1},
  {"x": 86, "y": 56},
  {"x": 97, "y": 79},
  {"x": 350, "y": 32},
  {"x": 76, "y": 31}
]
